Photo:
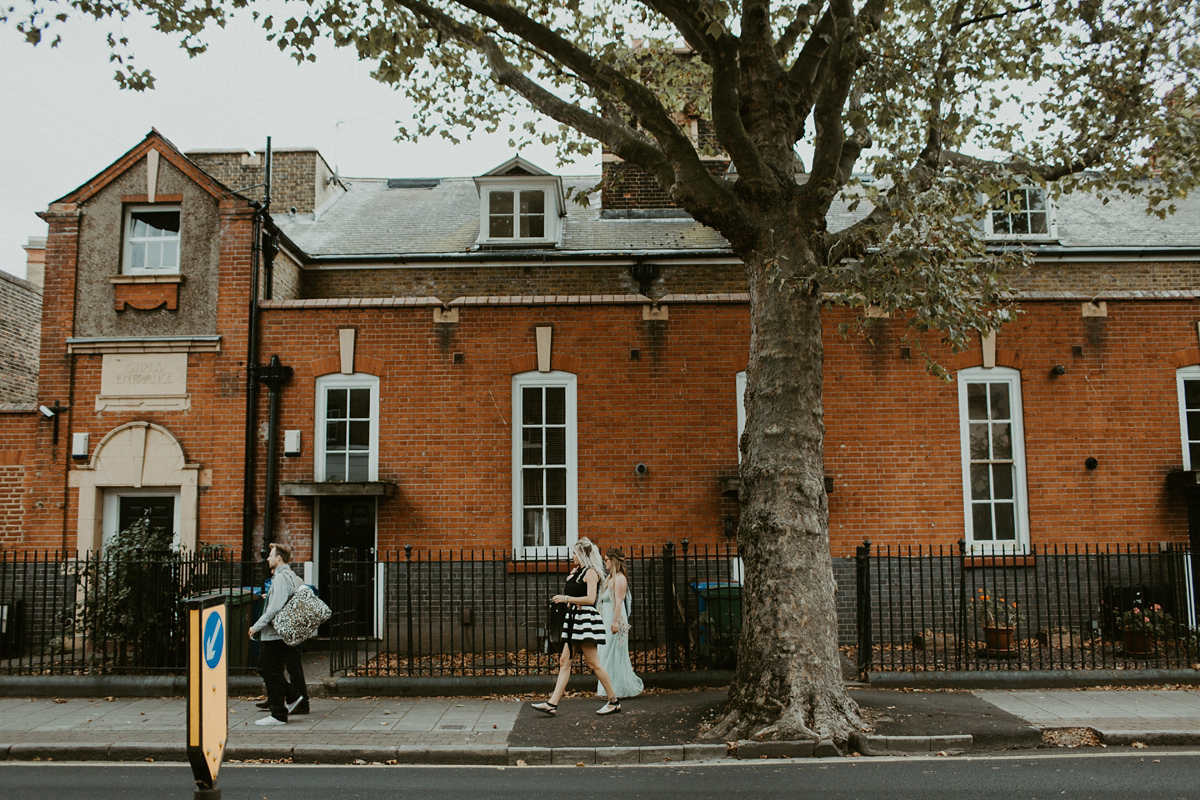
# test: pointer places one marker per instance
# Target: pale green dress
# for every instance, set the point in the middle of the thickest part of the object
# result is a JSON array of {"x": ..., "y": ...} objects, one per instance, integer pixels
[{"x": 614, "y": 654}]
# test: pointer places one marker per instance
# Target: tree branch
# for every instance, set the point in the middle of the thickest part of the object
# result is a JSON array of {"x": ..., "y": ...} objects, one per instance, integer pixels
[
  {"x": 692, "y": 26},
  {"x": 598, "y": 76},
  {"x": 839, "y": 68},
  {"x": 791, "y": 33}
]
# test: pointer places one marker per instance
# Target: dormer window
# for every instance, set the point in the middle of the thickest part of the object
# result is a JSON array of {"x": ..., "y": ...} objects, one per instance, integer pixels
[
  {"x": 519, "y": 204},
  {"x": 1021, "y": 213},
  {"x": 517, "y": 214},
  {"x": 151, "y": 240}
]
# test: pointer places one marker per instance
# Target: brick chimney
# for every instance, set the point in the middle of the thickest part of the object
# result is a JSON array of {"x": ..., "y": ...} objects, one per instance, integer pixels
[
  {"x": 300, "y": 177},
  {"x": 35, "y": 261},
  {"x": 625, "y": 186}
]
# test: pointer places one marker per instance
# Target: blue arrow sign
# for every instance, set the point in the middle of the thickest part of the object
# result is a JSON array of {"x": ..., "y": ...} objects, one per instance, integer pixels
[{"x": 214, "y": 640}]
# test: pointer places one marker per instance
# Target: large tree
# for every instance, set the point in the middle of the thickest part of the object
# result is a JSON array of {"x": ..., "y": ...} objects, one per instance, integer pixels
[{"x": 922, "y": 95}]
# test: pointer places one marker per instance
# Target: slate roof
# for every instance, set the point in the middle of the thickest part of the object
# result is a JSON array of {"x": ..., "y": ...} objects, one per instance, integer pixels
[{"x": 372, "y": 220}]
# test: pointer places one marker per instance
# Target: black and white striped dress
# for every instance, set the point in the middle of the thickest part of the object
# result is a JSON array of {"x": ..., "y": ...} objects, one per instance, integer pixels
[{"x": 582, "y": 623}]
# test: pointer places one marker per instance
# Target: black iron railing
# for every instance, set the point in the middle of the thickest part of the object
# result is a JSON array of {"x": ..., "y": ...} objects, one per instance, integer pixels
[
  {"x": 471, "y": 612},
  {"x": 67, "y": 614},
  {"x": 468, "y": 612},
  {"x": 1056, "y": 608}
]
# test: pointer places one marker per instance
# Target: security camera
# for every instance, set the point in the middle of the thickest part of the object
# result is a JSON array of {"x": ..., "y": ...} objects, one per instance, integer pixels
[
  {"x": 641, "y": 469},
  {"x": 47, "y": 411}
]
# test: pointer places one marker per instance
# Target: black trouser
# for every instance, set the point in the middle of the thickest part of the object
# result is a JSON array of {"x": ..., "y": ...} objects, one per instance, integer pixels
[
  {"x": 295, "y": 673},
  {"x": 273, "y": 658}
]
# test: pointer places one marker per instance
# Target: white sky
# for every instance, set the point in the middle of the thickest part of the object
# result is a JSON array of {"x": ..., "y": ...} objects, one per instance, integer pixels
[{"x": 63, "y": 119}]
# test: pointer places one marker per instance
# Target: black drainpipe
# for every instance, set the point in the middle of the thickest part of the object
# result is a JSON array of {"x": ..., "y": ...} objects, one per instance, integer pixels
[
  {"x": 251, "y": 443},
  {"x": 274, "y": 375}
]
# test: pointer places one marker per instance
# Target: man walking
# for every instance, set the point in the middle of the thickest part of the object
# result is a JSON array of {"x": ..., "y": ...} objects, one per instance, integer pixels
[{"x": 274, "y": 654}]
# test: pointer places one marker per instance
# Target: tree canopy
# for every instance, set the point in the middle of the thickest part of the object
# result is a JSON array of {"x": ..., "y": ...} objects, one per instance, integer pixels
[{"x": 917, "y": 113}]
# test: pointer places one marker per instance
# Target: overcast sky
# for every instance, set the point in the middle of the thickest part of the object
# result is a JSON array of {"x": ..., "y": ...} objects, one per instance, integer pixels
[{"x": 63, "y": 119}]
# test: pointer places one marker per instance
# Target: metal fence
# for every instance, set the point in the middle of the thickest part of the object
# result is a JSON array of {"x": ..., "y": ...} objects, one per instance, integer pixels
[
  {"x": 70, "y": 614},
  {"x": 923, "y": 609},
  {"x": 469, "y": 612}
]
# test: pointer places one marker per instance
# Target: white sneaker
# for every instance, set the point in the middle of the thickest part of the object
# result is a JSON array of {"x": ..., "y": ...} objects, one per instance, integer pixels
[
  {"x": 268, "y": 722},
  {"x": 292, "y": 705}
]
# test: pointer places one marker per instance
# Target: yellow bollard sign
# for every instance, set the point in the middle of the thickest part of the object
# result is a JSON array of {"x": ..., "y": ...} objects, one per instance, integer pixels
[{"x": 208, "y": 706}]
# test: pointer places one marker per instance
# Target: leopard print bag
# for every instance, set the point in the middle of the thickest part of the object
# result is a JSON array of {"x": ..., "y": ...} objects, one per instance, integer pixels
[{"x": 300, "y": 617}]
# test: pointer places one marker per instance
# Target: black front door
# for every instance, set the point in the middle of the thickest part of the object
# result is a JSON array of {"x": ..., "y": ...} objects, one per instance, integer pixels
[
  {"x": 346, "y": 567},
  {"x": 159, "y": 509}
]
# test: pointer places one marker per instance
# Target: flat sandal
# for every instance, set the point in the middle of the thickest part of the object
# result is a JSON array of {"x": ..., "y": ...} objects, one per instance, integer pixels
[
  {"x": 547, "y": 708},
  {"x": 611, "y": 707}
]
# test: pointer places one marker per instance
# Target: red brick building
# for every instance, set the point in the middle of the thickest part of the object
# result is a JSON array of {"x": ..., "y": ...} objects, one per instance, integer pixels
[{"x": 480, "y": 362}]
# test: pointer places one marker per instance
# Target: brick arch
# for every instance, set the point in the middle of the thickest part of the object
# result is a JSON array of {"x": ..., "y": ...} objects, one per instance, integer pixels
[
  {"x": 974, "y": 358},
  {"x": 330, "y": 365},
  {"x": 559, "y": 362},
  {"x": 1187, "y": 357}
]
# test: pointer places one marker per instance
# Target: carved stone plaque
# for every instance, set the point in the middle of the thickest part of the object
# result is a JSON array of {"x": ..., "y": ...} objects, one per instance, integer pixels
[{"x": 146, "y": 381}]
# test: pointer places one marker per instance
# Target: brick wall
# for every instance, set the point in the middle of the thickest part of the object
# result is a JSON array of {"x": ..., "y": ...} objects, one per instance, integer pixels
[
  {"x": 20, "y": 339},
  {"x": 892, "y": 438},
  {"x": 892, "y": 443},
  {"x": 210, "y": 432},
  {"x": 19, "y": 426},
  {"x": 535, "y": 279}
]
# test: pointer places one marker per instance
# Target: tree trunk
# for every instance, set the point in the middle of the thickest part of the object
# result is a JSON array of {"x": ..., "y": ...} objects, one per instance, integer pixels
[{"x": 788, "y": 683}]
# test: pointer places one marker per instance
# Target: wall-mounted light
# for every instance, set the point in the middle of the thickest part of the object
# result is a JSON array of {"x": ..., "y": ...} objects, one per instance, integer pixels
[
  {"x": 729, "y": 526},
  {"x": 1058, "y": 369}
]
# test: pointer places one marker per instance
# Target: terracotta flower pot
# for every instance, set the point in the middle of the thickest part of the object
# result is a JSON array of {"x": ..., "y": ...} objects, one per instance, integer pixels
[
  {"x": 1139, "y": 643},
  {"x": 999, "y": 639}
]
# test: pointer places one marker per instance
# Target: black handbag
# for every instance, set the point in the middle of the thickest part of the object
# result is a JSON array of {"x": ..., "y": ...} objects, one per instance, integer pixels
[{"x": 554, "y": 622}]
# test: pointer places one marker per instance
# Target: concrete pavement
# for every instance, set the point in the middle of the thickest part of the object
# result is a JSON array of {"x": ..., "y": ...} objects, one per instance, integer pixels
[{"x": 655, "y": 727}]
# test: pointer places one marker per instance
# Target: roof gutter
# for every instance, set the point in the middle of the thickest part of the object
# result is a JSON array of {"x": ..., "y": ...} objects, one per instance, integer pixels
[{"x": 479, "y": 257}]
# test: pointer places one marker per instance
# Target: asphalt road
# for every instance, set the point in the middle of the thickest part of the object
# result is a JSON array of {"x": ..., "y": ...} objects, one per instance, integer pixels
[{"x": 1096, "y": 776}]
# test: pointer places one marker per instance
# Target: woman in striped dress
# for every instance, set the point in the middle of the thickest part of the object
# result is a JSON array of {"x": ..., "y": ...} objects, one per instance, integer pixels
[{"x": 583, "y": 627}]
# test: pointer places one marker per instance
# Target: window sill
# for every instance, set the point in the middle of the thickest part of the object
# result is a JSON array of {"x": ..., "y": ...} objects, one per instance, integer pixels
[
  {"x": 1186, "y": 480},
  {"x": 146, "y": 292},
  {"x": 337, "y": 489},
  {"x": 514, "y": 244}
]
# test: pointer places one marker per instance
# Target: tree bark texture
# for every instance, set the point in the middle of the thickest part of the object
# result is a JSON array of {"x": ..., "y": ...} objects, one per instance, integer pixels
[{"x": 788, "y": 683}]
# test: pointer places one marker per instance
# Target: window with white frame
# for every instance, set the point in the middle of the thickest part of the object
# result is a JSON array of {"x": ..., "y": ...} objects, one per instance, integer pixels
[
  {"x": 151, "y": 240},
  {"x": 520, "y": 204},
  {"x": 1021, "y": 213},
  {"x": 993, "y": 460},
  {"x": 1187, "y": 381},
  {"x": 545, "y": 488},
  {"x": 740, "y": 388},
  {"x": 347, "y": 428},
  {"x": 517, "y": 214}
]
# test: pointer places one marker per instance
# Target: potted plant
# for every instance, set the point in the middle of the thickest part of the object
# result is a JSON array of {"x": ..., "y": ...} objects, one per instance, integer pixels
[
  {"x": 999, "y": 619},
  {"x": 1142, "y": 627}
]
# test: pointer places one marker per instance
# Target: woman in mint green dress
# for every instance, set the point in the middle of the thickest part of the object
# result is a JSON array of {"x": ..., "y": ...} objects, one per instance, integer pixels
[{"x": 614, "y": 603}]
